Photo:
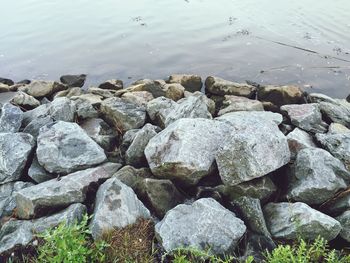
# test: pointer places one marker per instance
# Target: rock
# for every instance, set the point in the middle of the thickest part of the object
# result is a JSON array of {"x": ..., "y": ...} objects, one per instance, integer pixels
[
  {"x": 281, "y": 95},
  {"x": 348, "y": 98},
  {"x": 164, "y": 111},
  {"x": 4, "y": 88},
  {"x": 239, "y": 116},
  {"x": 15, "y": 149},
  {"x": 64, "y": 147},
  {"x": 116, "y": 206},
  {"x": 186, "y": 149},
  {"x": 140, "y": 98},
  {"x": 73, "y": 80},
  {"x": 101, "y": 133},
  {"x": 68, "y": 93},
  {"x": 160, "y": 195},
  {"x": 104, "y": 93},
  {"x": 209, "y": 102},
  {"x": 235, "y": 103},
  {"x": 256, "y": 246},
  {"x": 155, "y": 87},
  {"x": 122, "y": 114},
  {"x": 133, "y": 177},
  {"x": 135, "y": 153},
  {"x": 7, "y": 82},
  {"x": 221, "y": 87},
  {"x": 127, "y": 139},
  {"x": 25, "y": 101},
  {"x": 7, "y": 198},
  {"x": 174, "y": 91},
  {"x": 10, "y": 118},
  {"x": 6, "y": 97},
  {"x": 318, "y": 97},
  {"x": 344, "y": 220},
  {"x": 41, "y": 88},
  {"x": 252, "y": 214},
  {"x": 248, "y": 153},
  {"x": 260, "y": 188},
  {"x": 203, "y": 224},
  {"x": 35, "y": 125},
  {"x": 113, "y": 84},
  {"x": 298, "y": 140},
  {"x": 85, "y": 109},
  {"x": 339, "y": 113},
  {"x": 33, "y": 115},
  {"x": 306, "y": 116},
  {"x": 338, "y": 144},
  {"x": 41, "y": 199},
  {"x": 298, "y": 220},
  {"x": 337, "y": 128},
  {"x": 317, "y": 176},
  {"x": 191, "y": 83},
  {"x": 72, "y": 214},
  {"x": 93, "y": 99},
  {"x": 38, "y": 173}
]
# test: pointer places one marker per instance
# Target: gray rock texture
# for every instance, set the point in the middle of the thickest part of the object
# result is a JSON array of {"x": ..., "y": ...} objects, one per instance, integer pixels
[
  {"x": 205, "y": 223},
  {"x": 191, "y": 83},
  {"x": 38, "y": 173},
  {"x": 281, "y": 95},
  {"x": 221, "y": 87},
  {"x": 337, "y": 112},
  {"x": 236, "y": 103},
  {"x": 41, "y": 88},
  {"x": 344, "y": 220},
  {"x": 298, "y": 140},
  {"x": 10, "y": 118},
  {"x": 25, "y": 101}
]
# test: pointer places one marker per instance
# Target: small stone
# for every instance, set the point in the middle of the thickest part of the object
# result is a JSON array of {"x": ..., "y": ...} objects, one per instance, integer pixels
[
  {"x": 73, "y": 80},
  {"x": 10, "y": 118},
  {"x": 236, "y": 103},
  {"x": 221, "y": 87},
  {"x": 174, "y": 91},
  {"x": 191, "y": 83},
  {"x": 188, "y": 226},
  {"x": 281, "y": 95},
  {"x": 25, "y": 101},
  {"x": 113, "y": 84},
  {"x": 6, "y": 81},
  {"x": 140, "y": 98}
]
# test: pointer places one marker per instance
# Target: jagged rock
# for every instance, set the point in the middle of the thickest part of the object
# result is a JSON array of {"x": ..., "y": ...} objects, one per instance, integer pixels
[
  {"x": 337, "y": 128},
  {"x": 10, "y": 118},
  {"x": 294, "y": 220},
  {"x": 68, "y": 93},
  {"x": 261, "y": 188},
  {"x": 247, "y": 152},
  {"x": 104, "y": 93},
  {"x": 41, "y": 199},
  {"x": 319, "y": 97},
  {"x": 306, "y": 116},
  {"x": 41, "y": 88},
  {"x": 85, "y": 109},
  {"x": 252, "y": 214},
  {"x": 38, "y": 173},
  {"x": 317, "y": 176},
  {"x": 209, "y": 102},
  {"x": 186, "y": 149},
  {"x": 6, "y": 81},
  {"x": 239, "y": 116},
  {"x": 338, "y": 144},
  {"x": 116, "y": 206},
  {"x": 174, "y": 91},
  {"x": 7, "y": 197},
  {"x": 256, "y": 246},
  {"x": 236, "y": 103},
  {"x": 339, "y": 112},
  {"x": 344, "y": 220},
  {"x": 140, "y": 98},
  {"x": 64, "y": 147},
  {"x": 15, "y": 149},
  {"x": 298, "y": 140},
  {"x": 163, "y": 111},
  {"x": 4, "y": 88},
  {"x": 73, "y": 80},
  {"x": 191, "y": 83},
  {"x": 101, "y": 133},
  {"x": 25, "y": 101},
  {"x": 221, "y": 87},
  {"x": 36, "y": 124},
  {"x": 133, "y": 177},
  {"x": 155, "y": 87},
  {"x": 113, "y": 84},
  {"x": 122, "y": 114},
  {"x": 134, "y": 155},
  {"x": 127, "y": 139},
  {"x": 93, "y": 99},
  {"x": 281, "y": 95},
  {"x": 190, "y": 225},
  {"x": 161, "y": 195}
]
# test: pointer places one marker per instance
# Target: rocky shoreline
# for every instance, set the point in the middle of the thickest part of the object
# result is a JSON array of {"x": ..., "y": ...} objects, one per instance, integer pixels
[{"x": 231, "y": 166}]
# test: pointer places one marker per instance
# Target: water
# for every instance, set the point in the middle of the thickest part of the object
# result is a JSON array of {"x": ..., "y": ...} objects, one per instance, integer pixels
[{"x": 133, "y": 39}]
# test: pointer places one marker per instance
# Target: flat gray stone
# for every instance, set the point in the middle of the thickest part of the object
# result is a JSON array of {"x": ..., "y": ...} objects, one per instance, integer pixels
[
  {"x": 10, "y": 118},
  {"x": 40, "y": 199},
  {"x": 116, "y": 206},
  {"x": 64, "y": 147},
  {"x": 294, "y": 220},
  {"x": 205, "y": 223}
]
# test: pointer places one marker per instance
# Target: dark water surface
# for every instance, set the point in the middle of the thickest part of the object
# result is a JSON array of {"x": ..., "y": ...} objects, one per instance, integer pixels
[{"x": 131, "y": 39}]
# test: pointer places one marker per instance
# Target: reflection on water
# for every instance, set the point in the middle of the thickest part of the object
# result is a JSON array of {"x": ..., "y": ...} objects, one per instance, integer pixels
[{"x": 270, "y": 41}]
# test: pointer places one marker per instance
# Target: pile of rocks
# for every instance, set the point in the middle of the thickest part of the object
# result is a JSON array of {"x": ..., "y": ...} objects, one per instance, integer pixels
[{"x": 235, "y": 166}]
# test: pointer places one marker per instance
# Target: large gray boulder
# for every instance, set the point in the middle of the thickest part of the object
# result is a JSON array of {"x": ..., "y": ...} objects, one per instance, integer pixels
[
  {"x": 298, "y": 140},
  {"x": 10, "y": 118},
  {"x": 122, "y": 114},
  {"x": 65, "y": 147},
  {"x": 294, "y": 220},
  {"x": 221, "y": 87},
  {"x": 344, "y": 220},
  {"x": 186, "y": 149},
  {"x": 203, "y": 224},
  {"x": 15, "y": 149},
  {"x": 307, "y": 117},
  {"x": 116, "y": 206},
  {"x": 317, "y": 176},
  {"x": 254, "y": 148},
  {"x": 40, "y": 199},
  {"x": 337, "y": 112},
  {"x": 134, "y": 155},
  {"x": 338, "y": 144}
]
